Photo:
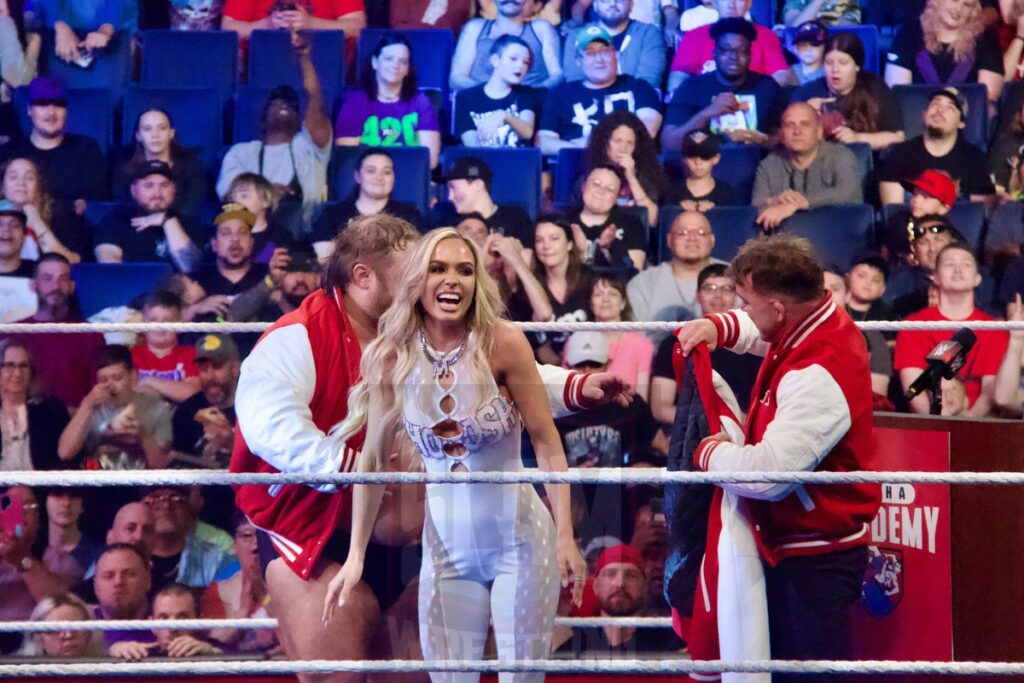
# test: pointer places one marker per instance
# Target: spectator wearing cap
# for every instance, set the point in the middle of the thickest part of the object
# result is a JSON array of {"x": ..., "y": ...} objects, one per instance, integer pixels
[
  {"x": 956, "y": 276},
  {"x": 606, "y": 236},
  {"x": 246, "y": 16},
  {"x": 855, "y": 105},
  {"x": 932, "y": 193},
  {"x": 233, "y": 270},
  {"x": 150, "y": 230},
  {"x": 22, "y": 188},
  {"x": 375, "y": 181},
  {"x": 621, "y": 588},
  {"x": 733, "y": 99},
  {"x": 179, "y": 554},
  {"x": 388, "y": 110},
  {"x": 73, "y": 165},
  {"x": 668, "y": 291},
  {"x": 805, "y": 172},
  {"x": 13, "y": 233},
  {"x": 271, "y": 298},
  {"x": 165, "y": 367},
  {"x": 82, "y": 30},
  {"x": 809, "y": 48},
  {"x": 695, "y": 54},
  {"x": 66, "y": 372},
  {"x": 204, "y": 425},
  {"x": 947, "y": 46},
  {"x": 573, "y": 109},
  {"x": 69, "y": 552},
  {"x": 471, "y": 62},
  {"x": 155, "y": 139},
  {"x": 829, "y": 12},
  {"x": 941, "y": 147},
  {"x": 29, "y": 422},
  {"x": 700, "y": 190},
  {"x": 293, "y": 150},
  {"x": 640, "y": 46},
  {"x": 469, "y": 182}
]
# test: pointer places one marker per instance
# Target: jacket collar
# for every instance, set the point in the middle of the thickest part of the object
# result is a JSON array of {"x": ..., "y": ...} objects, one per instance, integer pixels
[{"x": 822, "y": 312}]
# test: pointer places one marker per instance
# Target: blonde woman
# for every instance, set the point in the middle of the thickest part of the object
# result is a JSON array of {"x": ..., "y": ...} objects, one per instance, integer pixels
[
  {"x": 463, "y": 383},
  {"x": 948, "y": 46},
  {"x": 63, "y": 644}
]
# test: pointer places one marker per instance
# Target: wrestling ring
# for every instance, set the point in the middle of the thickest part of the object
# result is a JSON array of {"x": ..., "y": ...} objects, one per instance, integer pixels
[{"x": 201, "y": 668}]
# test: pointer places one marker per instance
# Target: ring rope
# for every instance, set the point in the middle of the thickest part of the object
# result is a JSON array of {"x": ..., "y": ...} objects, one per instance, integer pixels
[
  {"x": 572, "y": 666},
  {"x": 622, "y": 326},
  {"x": 596, "y": 475},
  {"x": 265, "y": 623}
]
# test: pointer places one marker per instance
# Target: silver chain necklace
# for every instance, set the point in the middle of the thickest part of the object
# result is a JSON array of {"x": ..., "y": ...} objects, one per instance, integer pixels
[{"x": 442, "y": 362}]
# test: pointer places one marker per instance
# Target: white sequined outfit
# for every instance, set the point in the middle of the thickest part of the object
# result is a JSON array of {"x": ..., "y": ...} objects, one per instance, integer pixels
[{"x": 488, "y": 549}]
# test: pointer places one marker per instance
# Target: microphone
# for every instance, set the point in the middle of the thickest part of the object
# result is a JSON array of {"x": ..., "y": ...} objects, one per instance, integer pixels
[{"x": 945, "y": 360}]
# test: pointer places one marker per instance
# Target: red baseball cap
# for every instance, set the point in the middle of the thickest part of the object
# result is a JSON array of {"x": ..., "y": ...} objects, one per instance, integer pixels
[
  {"x": 625, "y": 554},
  {"x": 936, "y": 184}
]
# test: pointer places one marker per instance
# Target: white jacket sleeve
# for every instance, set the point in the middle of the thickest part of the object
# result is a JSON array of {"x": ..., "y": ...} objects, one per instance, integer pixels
[
  {"x": 737, "y": 332},
  {"x": 564, "y": 387},
  {"x": 811, "y": 418},
  {"x": 275, "y": 387}
]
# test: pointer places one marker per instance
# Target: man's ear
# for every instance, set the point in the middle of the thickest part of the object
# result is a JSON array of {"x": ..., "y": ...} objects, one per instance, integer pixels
[
  {"x": 780, "y": 309},
  {"x": 32, "y": 285},
  {"x": 363, "y": 276}
]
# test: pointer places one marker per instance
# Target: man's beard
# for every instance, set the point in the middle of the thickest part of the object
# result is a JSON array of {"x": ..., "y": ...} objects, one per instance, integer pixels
[{"x": 295, "y": 298}]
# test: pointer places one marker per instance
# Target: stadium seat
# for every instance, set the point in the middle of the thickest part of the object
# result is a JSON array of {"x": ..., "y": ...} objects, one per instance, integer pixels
[
  {"x": 432, "y": 50},
  {"x": 567, "y": 170},
  {"x": 838, "y": 233},
  {"x": 868, "y": 37},
  {"x": 102, "y": 285},
  {"x": 516, "y": 173},
  {"x": 968, "y": 217},
  {"x": 1006, "y": 226},
  {"x": 248, "y": 110},
  {"x": 732, "y": 225},
  {"x": 110, "y": 70},
  {"x": 412, "y": 174},
  {"x": 272, "y": 60},
  {"x": 866, "y": 159},
  {"x": 193, "y": 59},
  {"x": 913, "y": 101},
  {"x": 90, "y": 112},
  {"x": 195, "y": 114},
  {"x": 738, "y": 167}
]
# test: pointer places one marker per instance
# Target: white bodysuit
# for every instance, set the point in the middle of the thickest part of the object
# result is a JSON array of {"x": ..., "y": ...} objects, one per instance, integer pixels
[{"x": 488, "y": 549}]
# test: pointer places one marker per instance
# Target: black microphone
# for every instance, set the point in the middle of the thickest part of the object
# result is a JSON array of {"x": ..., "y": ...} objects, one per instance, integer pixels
[{"x": 945, "y": 360}]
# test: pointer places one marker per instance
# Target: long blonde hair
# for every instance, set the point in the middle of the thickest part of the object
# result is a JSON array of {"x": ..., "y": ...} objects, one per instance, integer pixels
[
  {"x": 389, "y": 359},
  {"x": 963, "y": 46}
]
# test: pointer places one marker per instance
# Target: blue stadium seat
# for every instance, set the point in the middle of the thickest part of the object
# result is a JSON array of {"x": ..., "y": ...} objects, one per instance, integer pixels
[
  {"x": 968, "y": 217},
  {"x": 516, "y": 173},
  {"x": 272, "y": 60},
  {"x": 432, "y": 50},
  {"x": 101, "y": 285},
  {"x": 738, "y": 167},
  {"x": 913, "y": 101},
  {"x": 195, "y": 114},
  {"x": 412, "y": 174},
  {"x": 90, "y": 112},
  {"x": 567, "y": 170},
  {"x": 248, "y": 110},
  {"x": 193, "y": 59},
  {"x": 732, "y": 225},
  {"x": 110, "y": 70},
  {"x": 868, "y": 35},
  {"x": 866, "y": 159},
  {"x": 838, "y": 233},
  {"x": 95, "y": 212},
  {"x": 1006, "y": 226}
]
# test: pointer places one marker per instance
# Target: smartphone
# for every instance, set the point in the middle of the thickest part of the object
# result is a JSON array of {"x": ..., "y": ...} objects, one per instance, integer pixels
[{"x": 12, "y": 516}]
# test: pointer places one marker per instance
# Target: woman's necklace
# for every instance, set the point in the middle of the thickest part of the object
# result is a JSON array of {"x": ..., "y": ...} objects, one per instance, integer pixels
[{"x": 442, "y": 362}]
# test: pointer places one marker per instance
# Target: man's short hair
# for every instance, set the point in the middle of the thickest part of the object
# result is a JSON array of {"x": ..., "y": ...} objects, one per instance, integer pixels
[
  {"x": 164, "y": 298},
  {"x": 781, "y": 264},
  {"x": 369, "y": 240},
  {"x": 733, "y": 25},
  {"x": 113, "y": 547},
  {"x": 952, "y": 246},
  {"x": 872, "y": 261},
  {"x": 502, "y": 42},
  {"x": 177, "y": 589},
  {"x": 114, "y": 354},
  {"x": 50, "y": 257},
  {"x": 713, "y": 270}
]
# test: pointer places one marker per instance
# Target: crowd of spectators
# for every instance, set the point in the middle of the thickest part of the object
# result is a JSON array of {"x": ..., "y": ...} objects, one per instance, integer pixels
[{"x": 652, "y": 98}]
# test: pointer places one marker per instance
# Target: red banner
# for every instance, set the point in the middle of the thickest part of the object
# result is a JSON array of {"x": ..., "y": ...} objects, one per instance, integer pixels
[{"x": 906, "y": 606}]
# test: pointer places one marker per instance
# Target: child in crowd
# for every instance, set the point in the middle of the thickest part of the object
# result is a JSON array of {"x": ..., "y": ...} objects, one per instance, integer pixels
[
  {"x": 809, "y": 46},
  {"x": 256, "y": 194},
  {"x": 165, "y": 367},
  {"x": 700, "y": 190},
  {"x": 866, "y": 279}
]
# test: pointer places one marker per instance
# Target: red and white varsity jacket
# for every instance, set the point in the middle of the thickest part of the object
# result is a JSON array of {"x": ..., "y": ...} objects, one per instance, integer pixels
[
  {"x": 811, "y": 409},
  {"x": 292, "y": 393}
]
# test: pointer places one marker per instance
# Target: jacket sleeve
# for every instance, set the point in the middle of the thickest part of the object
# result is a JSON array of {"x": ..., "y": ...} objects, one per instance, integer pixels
[
  {"x": 564, "y": 387},
  {"x": 651, "y": 64},
  {"x": 762, "y": 184},
  {"x": 275, "y": 387},
  {"x": 849, "y": 181},
  {"x": 812, "y": 417},
  {"x": 737, "y": 332}
]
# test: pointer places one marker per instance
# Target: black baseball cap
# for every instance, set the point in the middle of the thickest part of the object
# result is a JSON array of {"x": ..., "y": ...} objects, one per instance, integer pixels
[
  {"x": 470, "y": 168},
  {"x": 700, "y": 144},
  {"x": 152, "y": 167}
]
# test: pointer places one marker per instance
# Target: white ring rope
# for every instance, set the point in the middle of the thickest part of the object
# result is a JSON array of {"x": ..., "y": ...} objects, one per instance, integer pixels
[
  {"x": 570, "y": 666},
  {"x": 874, "y": 325},
  {"x": 257, "y": 624},
  {"x": 596, "y": 475}
]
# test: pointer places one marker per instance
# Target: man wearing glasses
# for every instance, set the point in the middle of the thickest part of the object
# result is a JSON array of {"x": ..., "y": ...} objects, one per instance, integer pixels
[{"x": 640, "y": 46}]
